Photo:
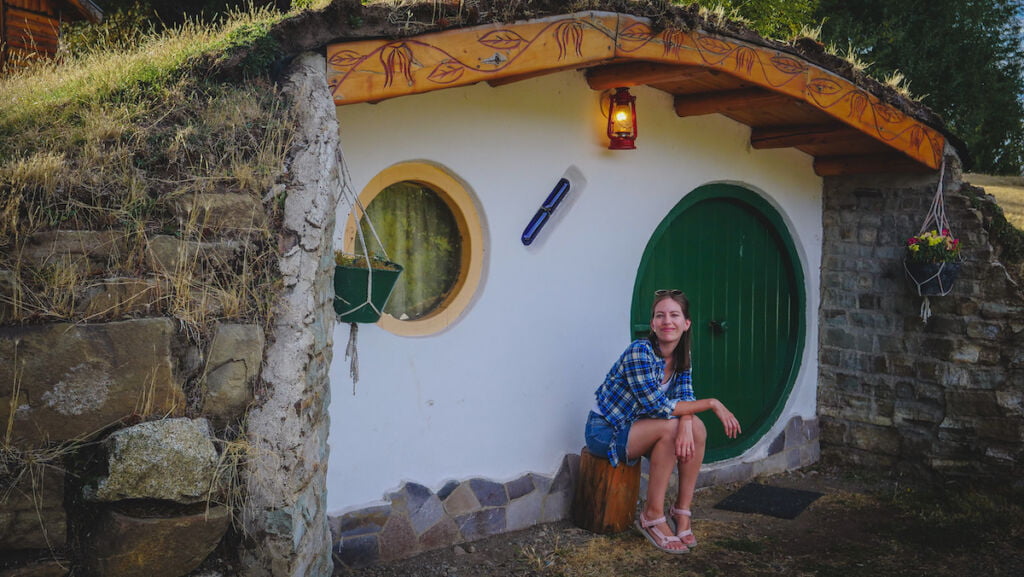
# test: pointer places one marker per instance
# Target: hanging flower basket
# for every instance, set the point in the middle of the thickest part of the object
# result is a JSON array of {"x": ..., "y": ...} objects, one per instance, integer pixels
[
  {"x": 361, "y": 290},
  {"x": 932, "y": 279},
  {"x": 932, "y": 262}
]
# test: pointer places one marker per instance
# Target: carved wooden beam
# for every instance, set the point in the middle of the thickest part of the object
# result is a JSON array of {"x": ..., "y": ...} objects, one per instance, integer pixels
[
  {"x": 712, "y": 102},
  {"x": 374, "y": 70},
  {"x": 803, "y": 135}
]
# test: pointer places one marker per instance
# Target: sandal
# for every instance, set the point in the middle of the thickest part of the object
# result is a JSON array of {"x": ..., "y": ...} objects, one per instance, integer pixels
[
  {"x": 682, "y": 535},
  {"x": 661, "y": 541}
]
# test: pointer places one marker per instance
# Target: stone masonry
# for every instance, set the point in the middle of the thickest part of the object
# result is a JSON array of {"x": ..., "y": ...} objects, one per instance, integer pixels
[
  {"x": 415, "y": 519},
  {"x": 943, "y": 399},
  {"x": 286, "y": 478}
]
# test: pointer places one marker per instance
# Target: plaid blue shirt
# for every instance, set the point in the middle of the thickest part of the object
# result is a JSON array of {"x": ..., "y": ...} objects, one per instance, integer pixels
[{"x": 632, "y": 390}]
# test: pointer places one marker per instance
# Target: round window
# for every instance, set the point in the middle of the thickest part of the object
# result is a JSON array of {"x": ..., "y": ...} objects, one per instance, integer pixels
[
  {"x": 420, "y": 232},
  {"x": 427, "y": 222}
]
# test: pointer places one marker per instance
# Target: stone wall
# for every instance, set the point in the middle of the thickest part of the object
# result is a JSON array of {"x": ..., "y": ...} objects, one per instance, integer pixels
[
  {"x": 941, "y": 399},
  {"x": 286, "y": 475},
  {"x": 97, "y": 444},
  {"x": 138, "y": 426},
  {"x": 117, "y": 422}
]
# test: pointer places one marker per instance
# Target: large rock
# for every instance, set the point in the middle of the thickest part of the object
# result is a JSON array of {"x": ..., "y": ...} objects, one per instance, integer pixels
[
  {"x": 32, "y": 511},
  {"x": 115, "y": 298},
  {"x": 170, "y": 459},
  {"x": 232, "y": 366},
  {"x": 135, "y": 546},
  {"x": 173, "y": 256},
  {"x": 74, "y": 380},
  {"x": 221, "y": 213},
  {"x": 90, "y": 252}
]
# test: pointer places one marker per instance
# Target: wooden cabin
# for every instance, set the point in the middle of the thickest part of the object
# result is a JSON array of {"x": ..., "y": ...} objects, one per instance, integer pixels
[{"x": 30, "y": 29}]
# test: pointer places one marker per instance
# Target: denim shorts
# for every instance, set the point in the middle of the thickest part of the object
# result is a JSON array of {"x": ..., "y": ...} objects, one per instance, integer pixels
[{"x": 599, "y": 435}]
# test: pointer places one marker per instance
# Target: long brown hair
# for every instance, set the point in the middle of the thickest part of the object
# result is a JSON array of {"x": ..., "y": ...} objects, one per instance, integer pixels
[{"x": 681, "y": 356}]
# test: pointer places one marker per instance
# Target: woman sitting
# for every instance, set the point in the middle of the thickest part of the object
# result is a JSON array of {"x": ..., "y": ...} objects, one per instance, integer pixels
[{"x": 646, "y": 407}]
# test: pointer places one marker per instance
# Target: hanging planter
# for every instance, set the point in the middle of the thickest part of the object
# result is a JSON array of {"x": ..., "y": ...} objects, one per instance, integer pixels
[
  {"x": 932, "y": 279},
  {"x": 932, "y": 259},
  {"x": 362, "y": 286},
  {"x": 362, "y": 283}
]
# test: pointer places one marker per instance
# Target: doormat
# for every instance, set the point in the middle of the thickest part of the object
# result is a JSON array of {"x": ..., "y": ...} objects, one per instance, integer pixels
[{"x": 768, "y": 500}]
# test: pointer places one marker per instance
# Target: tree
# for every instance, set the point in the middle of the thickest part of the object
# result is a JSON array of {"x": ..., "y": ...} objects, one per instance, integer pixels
[
  {"x": 780, "y": 19},
  {"x": 964, "y": 59}
]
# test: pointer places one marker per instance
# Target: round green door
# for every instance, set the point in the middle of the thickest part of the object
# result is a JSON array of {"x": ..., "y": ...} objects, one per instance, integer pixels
[{"x": 729, "y": 251}]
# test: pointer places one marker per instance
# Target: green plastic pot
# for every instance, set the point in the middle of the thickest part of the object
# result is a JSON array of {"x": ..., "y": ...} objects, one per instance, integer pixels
[{"x": 350, "y": 298}]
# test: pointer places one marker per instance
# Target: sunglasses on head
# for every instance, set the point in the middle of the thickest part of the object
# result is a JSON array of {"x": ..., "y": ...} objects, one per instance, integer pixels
[{"x": 663, "y": 292}]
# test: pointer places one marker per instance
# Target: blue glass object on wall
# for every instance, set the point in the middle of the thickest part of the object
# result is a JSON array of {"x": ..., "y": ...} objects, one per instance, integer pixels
[{"x": 544, "y": 212}]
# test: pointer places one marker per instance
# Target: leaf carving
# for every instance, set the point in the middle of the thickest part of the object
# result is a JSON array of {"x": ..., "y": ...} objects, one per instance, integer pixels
[
  {"x": 447, "y": 72},
  {"x": 673, "y": 41},
  {"x": 636, "y": 32},
  {"x": 858, "y": 103},
  {"x": 345, "y": 59},
  {"x": 916, "y": 137},
  {"x": 788, "y": 65},
  {"x": 937, "y": 144},
  {"x": 745, "y": 58},
  {"x": 888, "y": 113},
  {"x": 502, "y": 40},
  {"x": 714, "y": 45},
  {"x": 569, "y": 34},
  {"x": 397, "y": 60},
  {"x": 824, "y": 87}
]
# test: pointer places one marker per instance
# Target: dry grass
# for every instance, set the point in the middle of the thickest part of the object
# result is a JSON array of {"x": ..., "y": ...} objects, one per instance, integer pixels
[
  {"x": 900, "y": 83},
  {"x": 1009, "y": 193},
  {"x": 228, "y": 486},
  {"x": 115, "y": 141}
]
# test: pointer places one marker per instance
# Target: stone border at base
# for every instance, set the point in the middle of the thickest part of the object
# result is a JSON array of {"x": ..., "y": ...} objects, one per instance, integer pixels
[{"x": 416, "y": 519}]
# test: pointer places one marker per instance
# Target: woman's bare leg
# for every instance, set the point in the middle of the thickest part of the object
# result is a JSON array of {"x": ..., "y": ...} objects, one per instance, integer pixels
[
  {"x": 656, "y": 439},
  {"x": 688, "y": 472}
]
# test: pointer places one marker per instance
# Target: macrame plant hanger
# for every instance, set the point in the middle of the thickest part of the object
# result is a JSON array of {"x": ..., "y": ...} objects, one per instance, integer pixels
[
  {"x": 359, "y": 213},
  {"x": 935, "y": 219}
]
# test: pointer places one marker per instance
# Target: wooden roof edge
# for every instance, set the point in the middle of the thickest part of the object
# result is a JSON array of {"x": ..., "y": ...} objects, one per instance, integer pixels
[
  {"x": 414, "y": 22},
  {"x": 350, "y": 20},
  {"x": 87, "y": 8}
]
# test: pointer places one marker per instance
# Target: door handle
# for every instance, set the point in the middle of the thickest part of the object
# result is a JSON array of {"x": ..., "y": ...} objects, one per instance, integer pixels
[{"x": 718, "y": 327}]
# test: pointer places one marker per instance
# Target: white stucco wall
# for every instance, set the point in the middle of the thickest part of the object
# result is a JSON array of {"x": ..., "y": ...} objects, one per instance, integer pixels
[{"x": 506, "y": 389}]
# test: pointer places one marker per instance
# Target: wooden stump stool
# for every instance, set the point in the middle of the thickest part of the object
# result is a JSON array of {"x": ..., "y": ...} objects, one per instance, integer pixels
[{"x": 606, "y": 496}]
